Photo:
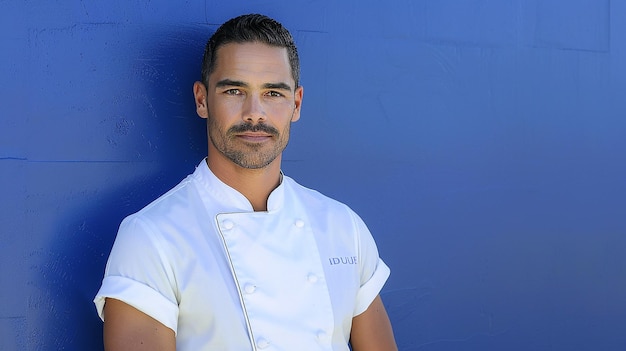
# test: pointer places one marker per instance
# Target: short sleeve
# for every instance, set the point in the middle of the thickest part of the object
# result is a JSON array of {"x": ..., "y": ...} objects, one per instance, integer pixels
[
  {"x": 138, "y": 274},
  {"x": 373, "y": 271}
]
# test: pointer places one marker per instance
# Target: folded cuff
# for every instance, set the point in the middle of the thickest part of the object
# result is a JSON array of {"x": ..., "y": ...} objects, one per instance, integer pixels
[
  {"x": 368, "y": 292},
  {"x": 140, "y": 296}
]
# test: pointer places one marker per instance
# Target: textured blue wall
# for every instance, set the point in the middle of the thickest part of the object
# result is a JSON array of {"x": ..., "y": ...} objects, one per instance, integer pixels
[{"x": 483, "y": 141}]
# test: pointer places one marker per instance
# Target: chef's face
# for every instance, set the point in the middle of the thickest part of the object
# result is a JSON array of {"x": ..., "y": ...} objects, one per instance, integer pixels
[{"x": 251, "y": 101}]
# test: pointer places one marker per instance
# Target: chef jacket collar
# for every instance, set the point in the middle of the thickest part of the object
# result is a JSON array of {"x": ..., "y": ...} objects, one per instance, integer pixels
[{"x": 230, "y": 199}]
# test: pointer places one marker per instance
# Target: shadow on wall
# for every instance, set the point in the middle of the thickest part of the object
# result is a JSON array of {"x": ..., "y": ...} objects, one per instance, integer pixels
[{"x": 69, "y": 270}]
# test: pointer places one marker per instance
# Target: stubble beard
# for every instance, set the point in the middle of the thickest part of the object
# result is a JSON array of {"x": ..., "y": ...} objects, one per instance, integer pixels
[{"x": 247, "y": 155}]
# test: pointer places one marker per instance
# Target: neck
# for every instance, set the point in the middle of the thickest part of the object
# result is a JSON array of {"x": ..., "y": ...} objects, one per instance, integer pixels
[{"x": 255, "y": 184}]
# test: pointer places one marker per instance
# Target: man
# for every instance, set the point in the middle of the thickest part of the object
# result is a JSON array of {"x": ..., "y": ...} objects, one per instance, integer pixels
[{"x": 239, "y": 256}]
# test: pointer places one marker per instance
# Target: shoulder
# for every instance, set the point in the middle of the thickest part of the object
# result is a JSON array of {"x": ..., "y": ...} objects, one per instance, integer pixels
[
  {"x": 171, "y": 204},
  {"x": 176, "y": 194},
  {"x": 175, "y": 211},
  {"x": 323, "y": 208},
  {"x": 314, "y": 198},
  {"x": 167, "y": 227}
]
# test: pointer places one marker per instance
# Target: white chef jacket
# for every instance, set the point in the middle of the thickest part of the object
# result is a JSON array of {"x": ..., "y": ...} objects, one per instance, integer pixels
[{"x": 223, "y": 277}]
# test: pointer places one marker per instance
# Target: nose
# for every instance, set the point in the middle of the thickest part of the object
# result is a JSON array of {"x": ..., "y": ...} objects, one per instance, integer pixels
[{"x": 253, "y": 111}]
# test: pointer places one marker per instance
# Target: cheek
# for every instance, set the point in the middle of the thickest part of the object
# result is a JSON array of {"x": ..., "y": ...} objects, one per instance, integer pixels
[
  {"x": 286, "y": 129},
  {"x": 224, "y": 113},
  {"x": 220, "y": 109},
  {"x": 215, "y": 121},
  {"x": 281, "y": 111},
  {"x": 221, "y": 102}
]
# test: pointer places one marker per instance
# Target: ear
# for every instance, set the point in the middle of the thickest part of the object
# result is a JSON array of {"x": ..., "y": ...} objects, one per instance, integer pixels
[
  {"x": 298, "y": 94},
  {"x": 200, "y": 96}
]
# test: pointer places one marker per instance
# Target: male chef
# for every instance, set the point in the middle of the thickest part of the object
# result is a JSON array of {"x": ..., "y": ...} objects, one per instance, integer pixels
[{"x": 238, "y": 256}]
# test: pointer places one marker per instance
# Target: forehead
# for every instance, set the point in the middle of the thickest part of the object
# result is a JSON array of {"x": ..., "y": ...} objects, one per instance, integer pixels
[{"x": 252, "y": 62}]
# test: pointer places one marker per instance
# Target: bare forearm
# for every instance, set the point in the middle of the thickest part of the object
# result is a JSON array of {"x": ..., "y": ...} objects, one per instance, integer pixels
[
  {"x": 126, "y": 329},
  {"x": 371, "y": 330}
]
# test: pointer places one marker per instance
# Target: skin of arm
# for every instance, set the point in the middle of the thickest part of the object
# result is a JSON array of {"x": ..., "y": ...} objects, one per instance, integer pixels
[
  {"x": 371, "y": 330},
  {"x": 126, "y": 328}
]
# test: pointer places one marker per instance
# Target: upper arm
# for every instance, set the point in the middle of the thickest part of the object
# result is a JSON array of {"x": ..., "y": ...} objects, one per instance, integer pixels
[
  {"x": 371, "y": 330},
  {"x": 126, "y": 328}
]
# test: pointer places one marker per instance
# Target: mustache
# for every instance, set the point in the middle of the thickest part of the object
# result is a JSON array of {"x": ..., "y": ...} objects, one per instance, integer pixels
[{"x": 247, "y": 127}]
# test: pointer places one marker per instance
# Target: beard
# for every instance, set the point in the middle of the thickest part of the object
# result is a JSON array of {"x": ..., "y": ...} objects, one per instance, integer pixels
[{"x": 245, "y": 154}]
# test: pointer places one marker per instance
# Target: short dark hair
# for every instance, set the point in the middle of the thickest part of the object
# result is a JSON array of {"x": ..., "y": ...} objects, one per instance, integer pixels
[{"x": 251, "y": 28}]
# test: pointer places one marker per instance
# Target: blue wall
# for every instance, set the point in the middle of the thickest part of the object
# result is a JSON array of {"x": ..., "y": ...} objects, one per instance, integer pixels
[{"x": 483, "y": 142}]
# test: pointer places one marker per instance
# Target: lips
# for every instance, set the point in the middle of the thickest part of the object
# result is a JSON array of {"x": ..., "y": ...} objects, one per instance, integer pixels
[
  {"x": 254, "y": 137},
  {"x": 253, "y": 133}
]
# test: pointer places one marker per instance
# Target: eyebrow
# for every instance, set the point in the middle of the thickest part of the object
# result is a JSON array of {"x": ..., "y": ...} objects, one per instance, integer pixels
[
  {"x": 278, "y": 86},
  {"x": 236, "y": 83}
]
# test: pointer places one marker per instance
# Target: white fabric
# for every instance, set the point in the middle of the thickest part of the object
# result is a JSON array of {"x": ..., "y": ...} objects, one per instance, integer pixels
[{"x": 223, "y": 277}]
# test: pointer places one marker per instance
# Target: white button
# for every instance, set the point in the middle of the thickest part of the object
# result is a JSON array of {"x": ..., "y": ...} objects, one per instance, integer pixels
[
  {"x": 262, "y": 343},
  {"x": 249, "y": 288},
  {"x": 312, "y": 278},
  {"x": 228, "y": 225},
  {"x": 299, "y": 223},
  {"x": 321, "y": 335}
]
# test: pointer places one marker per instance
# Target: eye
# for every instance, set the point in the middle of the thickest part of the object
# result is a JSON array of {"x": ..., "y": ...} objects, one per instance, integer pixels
[
  {"x": 273, "y": 93},
  {"x": 233, "y": 92}
]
